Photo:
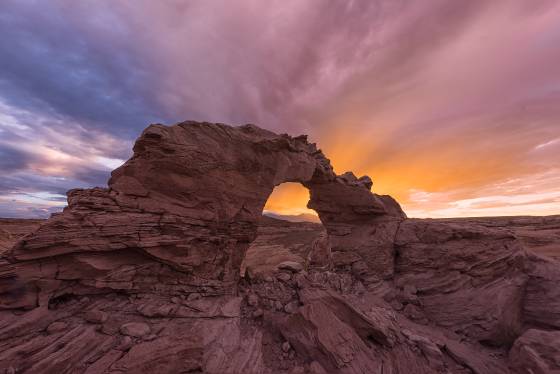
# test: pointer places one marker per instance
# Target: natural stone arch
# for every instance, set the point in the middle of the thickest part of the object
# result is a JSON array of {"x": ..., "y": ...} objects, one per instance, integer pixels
[
  {"x": 190, "y": 198},
  {"x": 234, "y": 170},
  {"x": 158, "y": 249}
]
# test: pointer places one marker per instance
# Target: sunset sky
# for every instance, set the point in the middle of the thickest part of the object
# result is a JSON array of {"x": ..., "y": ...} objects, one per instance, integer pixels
[{"x": 452, "y": 107}]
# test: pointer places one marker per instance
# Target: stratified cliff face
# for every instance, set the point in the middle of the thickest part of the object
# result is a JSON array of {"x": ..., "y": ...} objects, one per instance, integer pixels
[{"x": 144, "y": 276}]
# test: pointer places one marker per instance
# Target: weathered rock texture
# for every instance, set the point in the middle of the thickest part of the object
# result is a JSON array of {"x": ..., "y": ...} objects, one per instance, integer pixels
[
  {"x": 281, "y": 241},
  {"x": 145, "y": 277},
  {"x": 539, "y": 234},
  {"x": 11, "y": 230}
]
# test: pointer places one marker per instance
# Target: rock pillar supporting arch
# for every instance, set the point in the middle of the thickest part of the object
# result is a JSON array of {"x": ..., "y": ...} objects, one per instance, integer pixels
[{"x": 189, "y": 201}]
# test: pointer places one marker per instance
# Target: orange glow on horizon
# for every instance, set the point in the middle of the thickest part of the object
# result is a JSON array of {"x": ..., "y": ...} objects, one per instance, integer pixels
[
  {"x": 289, "y": 199},
  {"x": 438, "y": 177}
]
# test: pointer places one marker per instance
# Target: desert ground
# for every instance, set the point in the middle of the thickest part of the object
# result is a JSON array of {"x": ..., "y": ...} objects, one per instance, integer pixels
[{"x": 281, "y": 240}]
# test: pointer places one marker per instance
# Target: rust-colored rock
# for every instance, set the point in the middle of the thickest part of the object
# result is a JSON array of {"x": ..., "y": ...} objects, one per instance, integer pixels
[
  {"x": 11, "y": 230},
  {"x": 144, "y": 276},
  {"x": 536, "y": 351}
]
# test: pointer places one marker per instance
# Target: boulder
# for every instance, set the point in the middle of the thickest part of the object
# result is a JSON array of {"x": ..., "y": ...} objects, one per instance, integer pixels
[
  {"x": 294, "y": 267},
  {"x": 95, "y": 316},
  {"x": 135, "y": 329}
]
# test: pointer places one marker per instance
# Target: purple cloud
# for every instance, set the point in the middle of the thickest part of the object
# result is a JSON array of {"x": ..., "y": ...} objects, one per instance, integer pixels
[{"x": 444, "y": 99}]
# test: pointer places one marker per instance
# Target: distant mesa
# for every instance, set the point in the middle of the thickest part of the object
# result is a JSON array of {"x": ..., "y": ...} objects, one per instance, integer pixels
[{"x": 150, "y": 275}]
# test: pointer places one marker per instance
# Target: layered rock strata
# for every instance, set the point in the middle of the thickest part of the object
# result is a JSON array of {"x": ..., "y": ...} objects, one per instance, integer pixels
[
  {"x": 11, "y": 230},
  {"x": 144, "y": 276}
]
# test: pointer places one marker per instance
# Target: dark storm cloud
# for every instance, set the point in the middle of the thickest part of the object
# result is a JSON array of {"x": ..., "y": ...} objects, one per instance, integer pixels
[
  {"x": 73, "y": 66},
  {"x": 12, "y": 159}
]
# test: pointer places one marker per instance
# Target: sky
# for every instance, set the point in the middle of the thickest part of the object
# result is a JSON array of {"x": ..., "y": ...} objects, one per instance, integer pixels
[{"x": 452, "y": 107}]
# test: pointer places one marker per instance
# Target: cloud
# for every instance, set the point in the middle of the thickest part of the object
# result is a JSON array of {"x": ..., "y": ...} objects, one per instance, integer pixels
[
  {"x": 70, "y": 60},
  {"x": 42, "y": 157},
  {"x": 532, "y": 194},
  {"x": 12, "y": 159},
  {"x": 444, "y": 97},
  {"x": 22, "y": 209}
]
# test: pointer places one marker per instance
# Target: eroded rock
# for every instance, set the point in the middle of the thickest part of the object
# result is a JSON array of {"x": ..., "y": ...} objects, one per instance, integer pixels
[
  {"x": 144, "y": 276},
  {"x": 294, "y": 267},
  {"x": 95, "y": 316},
  {"x": 135, "y": 329},
  {"x": 536, "y": 351}
]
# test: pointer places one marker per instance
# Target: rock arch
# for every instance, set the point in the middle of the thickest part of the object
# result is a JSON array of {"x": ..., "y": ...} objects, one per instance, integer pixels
[
  {"x": 130, "y": 275},
  {"x": 190, "y": 198}
]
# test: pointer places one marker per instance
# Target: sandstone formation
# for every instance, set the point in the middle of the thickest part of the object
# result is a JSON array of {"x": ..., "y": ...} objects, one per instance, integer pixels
[
  {"x": 11, "y": 230},
  {"x": 146, "y": 276},
  {"x": 539, "y": 234}
]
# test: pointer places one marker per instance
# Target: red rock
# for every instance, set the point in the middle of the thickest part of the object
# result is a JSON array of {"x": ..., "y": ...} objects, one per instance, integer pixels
[
  {"x": 95, "y": 316},
  {"x": 160, "y": 253},
  {"x": 253, "y": 300},
  {"x": 292, "y": 266},
  {"x": 161, "y": 356},
  {"x": 291, "y": 307},
  {"x": 135, "y": 329},
  {"x": 316, "y": 368},
  {"x": 284, "y": 277},
  {"x": 57, "y": 327},
  {"x": 11, "y": 230},
  {"x": 298, "y": 370},
  {"x": 536, "y": 351},
  {"x": 258, "y": 313}
]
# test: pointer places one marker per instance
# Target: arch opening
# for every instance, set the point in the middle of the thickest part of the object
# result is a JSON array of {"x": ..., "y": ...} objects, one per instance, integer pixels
[
  {"x": 288, "y": 232},
  {"x": 288, "y": 201}
]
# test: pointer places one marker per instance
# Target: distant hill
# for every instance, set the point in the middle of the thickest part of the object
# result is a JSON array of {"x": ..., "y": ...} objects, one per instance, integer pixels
[{"x": 304, "y": 217}]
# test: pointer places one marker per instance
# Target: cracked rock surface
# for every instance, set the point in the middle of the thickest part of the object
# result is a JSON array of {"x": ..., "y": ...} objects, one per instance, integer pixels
[{"x": 147, "y": 276}]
